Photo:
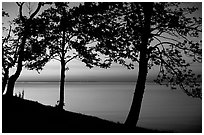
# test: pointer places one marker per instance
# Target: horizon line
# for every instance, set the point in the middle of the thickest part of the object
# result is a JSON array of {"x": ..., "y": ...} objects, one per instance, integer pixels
[{"x": 96, "y": 81}]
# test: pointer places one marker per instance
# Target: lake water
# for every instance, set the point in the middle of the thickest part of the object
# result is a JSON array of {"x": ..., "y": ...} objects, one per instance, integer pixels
[{"x": 162, "y": 108}]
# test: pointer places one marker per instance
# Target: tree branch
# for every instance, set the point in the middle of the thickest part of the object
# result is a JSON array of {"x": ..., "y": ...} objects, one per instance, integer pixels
[
  {"x": 160, "y": 43},
  {"x": 20, "y": 4},
  {"x": 36, "y": 11},
  {"x": 71, "y": 58},
  {"x": 168, "y": 38},
  {"x": 163, "y": 43},
  {"x": 57, "y": 59}
]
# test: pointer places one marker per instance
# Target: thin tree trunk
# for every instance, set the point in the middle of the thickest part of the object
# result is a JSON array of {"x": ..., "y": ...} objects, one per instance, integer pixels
[
  {"x": 11, "y": 84},
  {"x": 61, "y": 101},
  {"x": 14, "y": 77},
  {"x": 133, "y": 115},
  {"x": 5, "y": 79}
]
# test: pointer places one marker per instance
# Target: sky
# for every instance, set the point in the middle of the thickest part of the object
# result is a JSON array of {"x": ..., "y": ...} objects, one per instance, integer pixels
[{"x": 78, "y": 71}]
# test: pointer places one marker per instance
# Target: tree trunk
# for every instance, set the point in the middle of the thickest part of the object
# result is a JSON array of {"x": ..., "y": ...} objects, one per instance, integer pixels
[
  {"x": 10, "y": 86},
  {"x": 5, "y": 79},
  {"x": 61, "y": 101},
  {"x": 14, "y": 77},
  {"x": 133, "y": 115}
]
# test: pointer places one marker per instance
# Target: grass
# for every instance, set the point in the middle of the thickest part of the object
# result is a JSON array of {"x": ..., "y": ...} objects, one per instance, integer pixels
[{"x": 24, "y": 116}]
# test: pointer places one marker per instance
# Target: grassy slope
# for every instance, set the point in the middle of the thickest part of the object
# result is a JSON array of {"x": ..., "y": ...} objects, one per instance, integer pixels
[{"x": 19, "y": 115}]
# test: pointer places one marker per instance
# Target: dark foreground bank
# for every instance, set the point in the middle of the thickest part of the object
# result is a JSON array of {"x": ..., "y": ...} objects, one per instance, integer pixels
[{"x": 24, "y": 116}]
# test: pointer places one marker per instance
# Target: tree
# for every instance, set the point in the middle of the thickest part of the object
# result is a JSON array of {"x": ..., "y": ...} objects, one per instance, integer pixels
[
  {"x": 165, "y": 35},
  {"x": 19, "y": 50},
  {"x": 66, "y": 40},
  {"x": 8, "y": 59},
  {"x": 5, "y": 63}
]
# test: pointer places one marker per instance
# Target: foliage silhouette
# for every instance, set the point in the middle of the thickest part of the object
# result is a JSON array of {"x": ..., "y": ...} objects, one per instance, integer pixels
[
  {"x": 19, "y": 48},
  {"x": 165, "y": 35},
  {"x": 63, "y": 33}
]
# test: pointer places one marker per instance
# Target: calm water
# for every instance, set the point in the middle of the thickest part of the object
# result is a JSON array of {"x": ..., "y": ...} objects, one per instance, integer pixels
[{"x": 162, "y": 108}]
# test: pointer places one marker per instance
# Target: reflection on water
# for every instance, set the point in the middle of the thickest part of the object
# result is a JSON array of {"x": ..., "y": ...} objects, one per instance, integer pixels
[{"x": 162, "y": 108}]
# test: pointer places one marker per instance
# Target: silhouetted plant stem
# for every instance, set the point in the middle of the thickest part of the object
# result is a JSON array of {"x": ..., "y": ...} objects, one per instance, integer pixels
[
  {"x": 61, "y": 101},
  {"x": 133, "y": 115},
  {"x": 14, "y": 77},
  {"x": 5, "y": 79}
]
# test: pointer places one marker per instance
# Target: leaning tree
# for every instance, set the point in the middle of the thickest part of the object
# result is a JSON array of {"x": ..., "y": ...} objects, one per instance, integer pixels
[
  {"x": 165, "y": 35},
  {"x": 21, "y": 47},
  {"x": 7, "y": 51}
]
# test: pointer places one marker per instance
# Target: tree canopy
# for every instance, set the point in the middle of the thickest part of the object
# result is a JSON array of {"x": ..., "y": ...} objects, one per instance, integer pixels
[
  {"x": 63, "y": 34},
  {"x": 174, "y": 43}
]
